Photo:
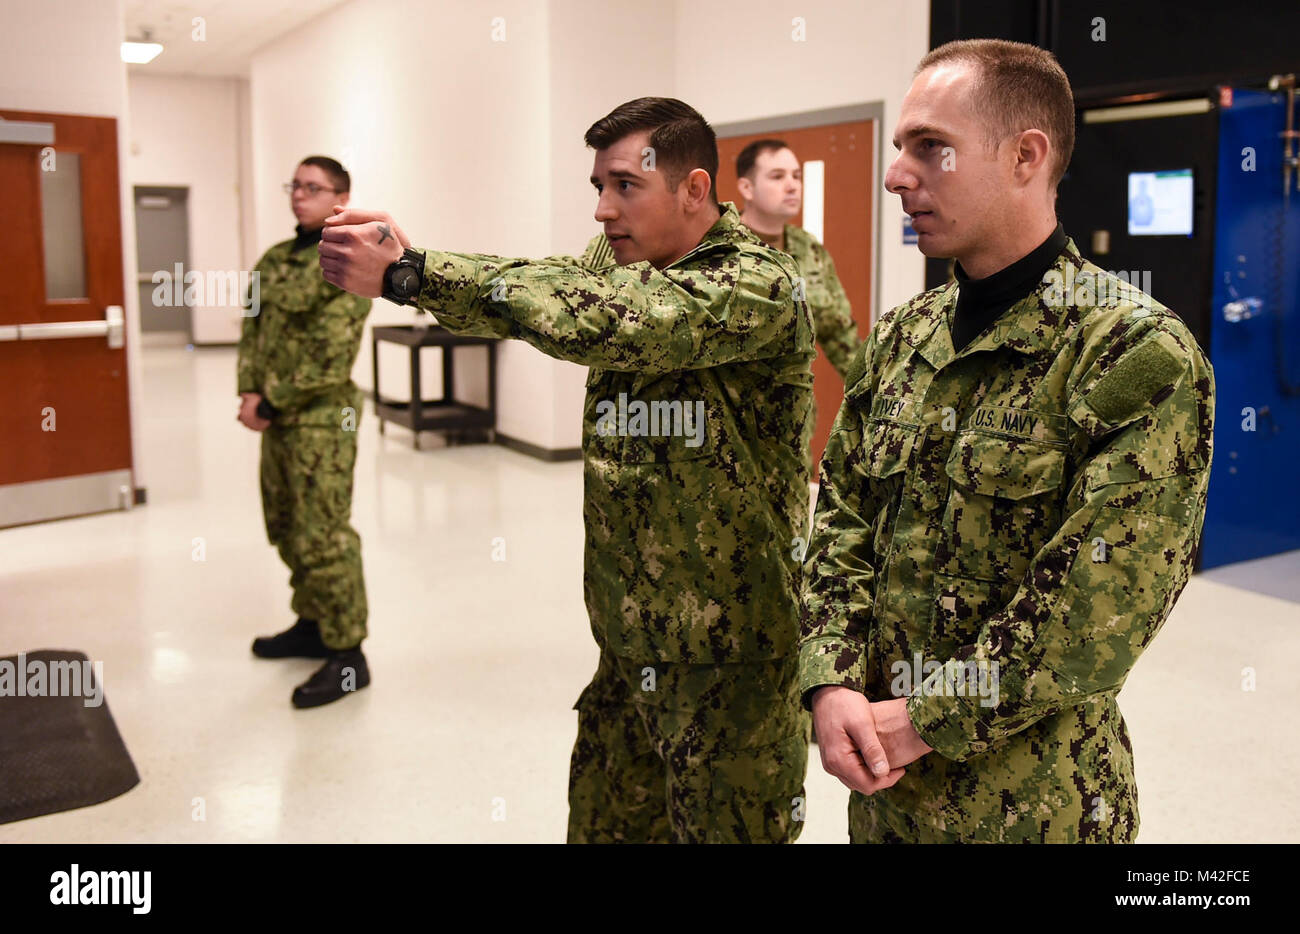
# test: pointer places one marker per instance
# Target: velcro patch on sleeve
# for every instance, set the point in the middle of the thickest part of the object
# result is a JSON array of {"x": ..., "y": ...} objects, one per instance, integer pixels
[{"x": 1138, "y": 377}]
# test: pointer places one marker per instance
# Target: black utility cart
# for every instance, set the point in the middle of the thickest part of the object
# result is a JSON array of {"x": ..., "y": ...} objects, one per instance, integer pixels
[{"x": 457, "y": 419}]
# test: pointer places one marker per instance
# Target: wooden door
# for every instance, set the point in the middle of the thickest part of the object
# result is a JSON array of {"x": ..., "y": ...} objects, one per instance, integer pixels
[
  {"x": 65, "y": 435},
  {"x": 848, "y": 151}
]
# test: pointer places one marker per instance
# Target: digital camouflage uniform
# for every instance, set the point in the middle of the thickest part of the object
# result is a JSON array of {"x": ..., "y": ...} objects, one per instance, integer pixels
[
  {"x": 836, "y": 332},
  {"x": 691, "y": 729},
  {"x": 298, "y": 351},
  {"x": 1033, "y": 501}
]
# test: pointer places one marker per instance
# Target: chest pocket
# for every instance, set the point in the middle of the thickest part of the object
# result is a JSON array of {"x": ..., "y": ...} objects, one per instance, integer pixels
[
  {"x": 683, "y": 435},
  {"x": 817, "y": 293},
  {"x": 663, "y": 424},
  {"x": 1004, "y": 504},
  {"x": 887, "y": 451},
  {"x": 889, "y": 445},
  {"x": 297, "y": 287}
]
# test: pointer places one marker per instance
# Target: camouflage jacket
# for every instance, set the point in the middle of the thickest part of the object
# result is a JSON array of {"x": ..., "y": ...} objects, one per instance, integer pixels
[
  {"x": 691, "y": 551},
  {"x": 837, "y": 334},
  {"x": 298, "y": 346},
  {"x": 999, "y": 534}
]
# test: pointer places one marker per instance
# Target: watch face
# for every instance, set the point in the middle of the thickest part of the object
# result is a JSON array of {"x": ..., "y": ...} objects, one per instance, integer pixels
[{"x": 405, "y": 281}]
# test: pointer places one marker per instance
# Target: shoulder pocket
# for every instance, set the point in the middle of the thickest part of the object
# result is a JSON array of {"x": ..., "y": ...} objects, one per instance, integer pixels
[{"x": 1123, "y": 582}]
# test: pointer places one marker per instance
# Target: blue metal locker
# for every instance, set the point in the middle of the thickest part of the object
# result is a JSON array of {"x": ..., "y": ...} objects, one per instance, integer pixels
[{"x": 1254, "y": 503}]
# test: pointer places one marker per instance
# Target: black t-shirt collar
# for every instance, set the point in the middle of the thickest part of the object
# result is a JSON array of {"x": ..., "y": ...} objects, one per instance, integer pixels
[
  {"x": 305, "y": 238},
  {"x": 1015, "y": 281}
]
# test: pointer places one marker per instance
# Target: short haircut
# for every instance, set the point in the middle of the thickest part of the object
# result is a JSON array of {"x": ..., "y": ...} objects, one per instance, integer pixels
[
  {"x": 748, "y": 157},
  {"x": 339, "y": 176},
  {"x": 682, "y": 140},
  {"x": 1017, "y": 87}
]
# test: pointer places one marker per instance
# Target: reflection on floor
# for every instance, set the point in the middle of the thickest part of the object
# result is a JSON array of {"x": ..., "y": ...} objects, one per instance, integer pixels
[{"x": 466, "y": 732}]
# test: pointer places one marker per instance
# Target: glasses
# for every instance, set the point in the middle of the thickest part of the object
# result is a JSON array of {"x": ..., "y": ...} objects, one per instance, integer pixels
[{"x": 310, "y": 187}]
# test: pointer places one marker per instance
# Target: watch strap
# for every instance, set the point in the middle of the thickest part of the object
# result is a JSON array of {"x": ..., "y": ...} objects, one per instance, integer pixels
[{"x": 410, "y": 259}]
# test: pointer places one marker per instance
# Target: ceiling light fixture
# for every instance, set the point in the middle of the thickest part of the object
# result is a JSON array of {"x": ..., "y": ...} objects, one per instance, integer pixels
[{"x": 141, "y": 51}]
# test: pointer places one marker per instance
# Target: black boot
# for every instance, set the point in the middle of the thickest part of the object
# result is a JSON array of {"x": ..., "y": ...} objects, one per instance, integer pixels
[
  {"x": 301, "y": 640},
  {"x": 343, "y": 673}
]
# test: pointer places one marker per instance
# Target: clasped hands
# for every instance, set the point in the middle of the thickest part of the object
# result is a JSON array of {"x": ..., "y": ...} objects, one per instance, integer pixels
[
  {"x": 248, "y": 416},
  {"x": 864, "y": 744}
]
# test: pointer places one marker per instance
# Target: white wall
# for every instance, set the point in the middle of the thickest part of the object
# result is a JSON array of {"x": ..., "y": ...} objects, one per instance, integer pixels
[
  {"x": 441, "y": 126},
  {"x": 852, "y": 53},
  {"x": 63, "y": 56},
  {"x": 185, "y": 132},
  {"x": 476, "y": 145},
  {"x": 601, "y": 54},
  {"x": 475, "y": 148},
  {"x": 247, "y": 205}
]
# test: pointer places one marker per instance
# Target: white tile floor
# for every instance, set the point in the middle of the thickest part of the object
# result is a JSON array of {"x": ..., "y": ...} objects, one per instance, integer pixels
[{"x": 477, "y": 662}]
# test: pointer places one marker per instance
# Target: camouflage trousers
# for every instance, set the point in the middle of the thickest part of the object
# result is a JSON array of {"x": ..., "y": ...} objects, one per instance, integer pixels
[
  {"x": 306, "y": 476},
  {"x": 670, "y": 752},
  {"x": 872, "y": 819}
]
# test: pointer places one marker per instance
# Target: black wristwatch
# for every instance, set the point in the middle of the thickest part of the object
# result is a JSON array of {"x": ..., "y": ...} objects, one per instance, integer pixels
[{"x": 403, "y": 279}]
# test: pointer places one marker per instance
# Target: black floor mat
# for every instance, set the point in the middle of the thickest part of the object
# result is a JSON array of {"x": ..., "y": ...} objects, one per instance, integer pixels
[{"x": 56, "y": 752}]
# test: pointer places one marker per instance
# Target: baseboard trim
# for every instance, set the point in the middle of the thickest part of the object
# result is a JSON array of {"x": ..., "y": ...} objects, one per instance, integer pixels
[{"x": 550, "y": 455}]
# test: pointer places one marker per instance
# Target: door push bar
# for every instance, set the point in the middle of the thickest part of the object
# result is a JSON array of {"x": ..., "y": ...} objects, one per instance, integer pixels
[{"x": 112, "y": 327}]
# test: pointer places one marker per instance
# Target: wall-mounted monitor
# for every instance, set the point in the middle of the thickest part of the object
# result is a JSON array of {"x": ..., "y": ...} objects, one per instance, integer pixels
[{"x": 1160, "y": 203}]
